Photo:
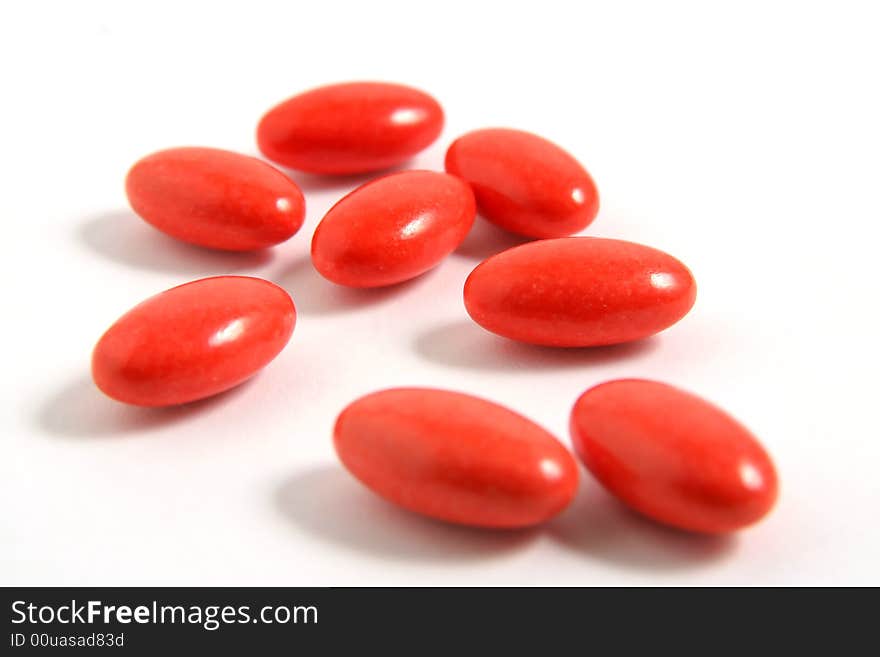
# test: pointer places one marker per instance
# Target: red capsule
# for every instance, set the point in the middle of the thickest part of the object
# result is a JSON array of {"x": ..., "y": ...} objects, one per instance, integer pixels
[
  {"x": 455, "y": 457},
  {"x": 349, "y": 128},
  {"x": 193, "y": 341},
  {"x": 579, "y": 292},
  {"x": 672, "y": 456},
  {"x": 525, "y": 183},
  {"x": 393, "y": 229},
  {"x": 215, "y": 198}
]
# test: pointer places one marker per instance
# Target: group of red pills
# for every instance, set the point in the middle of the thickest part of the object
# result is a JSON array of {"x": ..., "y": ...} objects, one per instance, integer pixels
[{"x": 664, "y": 452}]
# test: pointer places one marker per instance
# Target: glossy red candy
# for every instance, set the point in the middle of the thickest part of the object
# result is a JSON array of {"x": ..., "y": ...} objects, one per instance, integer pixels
[
  {"x": 579, "y": 292},
  {"x": 672, "y": 456},
  {"x": 455, "y": 457},
  {"x": 349, "y": 128},
  {"x": 215, "y": 198},
  {"x": 525, "y": 183},
  {"x": 393, "y": 229},
  {"x": 193, "y": 341}
]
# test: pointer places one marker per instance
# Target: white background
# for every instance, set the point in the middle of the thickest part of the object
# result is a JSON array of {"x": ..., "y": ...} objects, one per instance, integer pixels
[{"x": 741, "y": 137}]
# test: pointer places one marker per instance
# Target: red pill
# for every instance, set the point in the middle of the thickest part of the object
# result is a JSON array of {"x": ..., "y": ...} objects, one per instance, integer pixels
[
  {"x": 672, "y": 456},
  {"x": 193, "y": 341},
  {"x": 579, "y": 292},
  {"x": 455, "y": 457},
  {"x": 215, "y": 198},
  {"x": 525, "y": 183},
  {"x": 349, "y": 128},
  {"x": 393, "y": 229}
]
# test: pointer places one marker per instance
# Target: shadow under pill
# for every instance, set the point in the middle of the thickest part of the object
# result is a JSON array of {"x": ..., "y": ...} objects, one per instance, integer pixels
[
  {"x": 486, "y": 239},
  {"x": 80, "y": 410},
  {"x": 600, "y": 528},
  {"x": 125, "y": 238},
  {"x": 328, "y": 502},
  {"x": 343, "y": 184},
  {"x": 315, "y": 295},
  {"x": 464, "y": 344}
]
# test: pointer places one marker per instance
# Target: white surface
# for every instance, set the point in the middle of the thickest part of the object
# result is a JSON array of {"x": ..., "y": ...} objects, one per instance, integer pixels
[{"x": 742, "y": 140}]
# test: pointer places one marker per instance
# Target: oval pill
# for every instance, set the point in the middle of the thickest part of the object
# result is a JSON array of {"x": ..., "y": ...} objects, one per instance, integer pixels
[
  {"x": 524, "y": 183},
  {"x": 349, "y": 128},
  {"x": 579, "y": 292},
  {"x": 193, "y": 341},
  {"x": 215, "y": 198},
  {"x": 673, "y": 456},
  {"x": 455, "y": 457},
  {"x": 393, "y": 229}
]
